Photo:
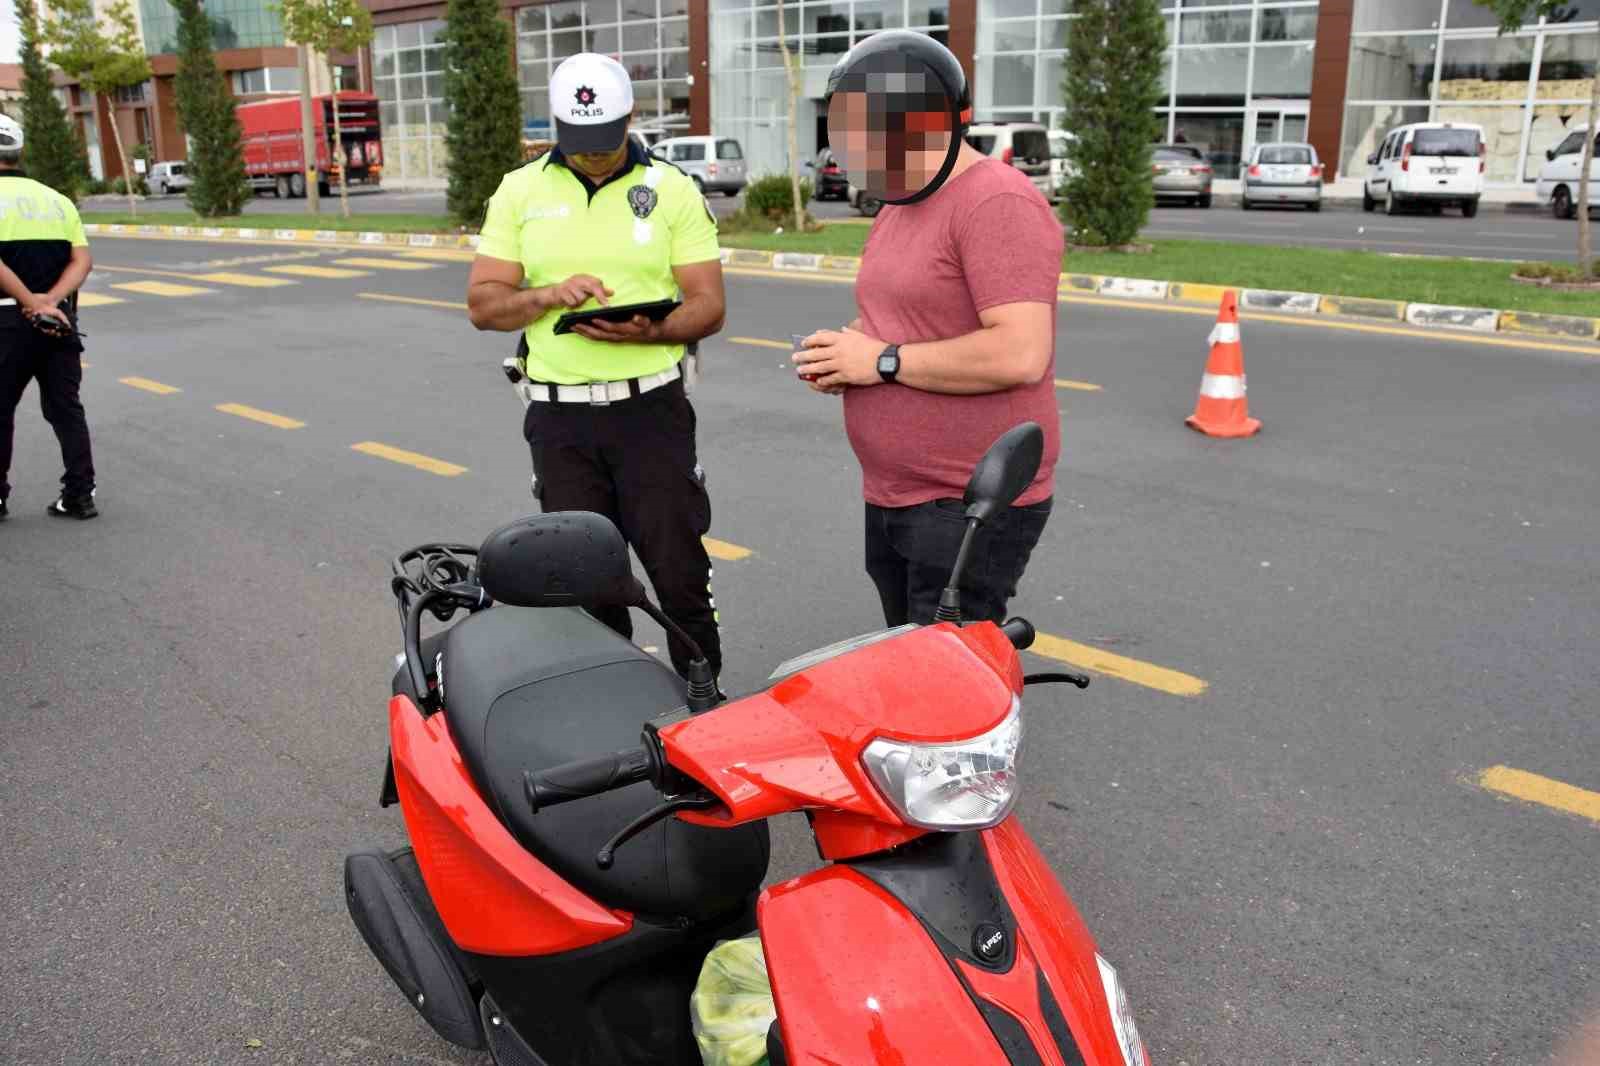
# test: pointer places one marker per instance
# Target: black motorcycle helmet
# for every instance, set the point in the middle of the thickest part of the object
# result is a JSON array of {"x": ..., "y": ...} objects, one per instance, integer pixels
[{"x": 903, "y": 74}]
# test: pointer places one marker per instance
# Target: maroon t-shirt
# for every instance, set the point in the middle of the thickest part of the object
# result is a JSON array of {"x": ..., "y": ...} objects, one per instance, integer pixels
[{"x": 987, "y": 238}]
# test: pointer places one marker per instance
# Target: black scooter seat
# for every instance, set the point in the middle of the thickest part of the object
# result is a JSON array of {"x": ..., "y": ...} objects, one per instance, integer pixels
[{"x": 525, "y": 689}]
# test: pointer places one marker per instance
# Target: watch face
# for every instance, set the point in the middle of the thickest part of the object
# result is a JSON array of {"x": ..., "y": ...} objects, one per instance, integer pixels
[{"x": 888, "y": 364}]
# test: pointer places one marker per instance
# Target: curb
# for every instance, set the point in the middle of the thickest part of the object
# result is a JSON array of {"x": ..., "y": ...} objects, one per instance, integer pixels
[{"x": 1424, "y": 316}]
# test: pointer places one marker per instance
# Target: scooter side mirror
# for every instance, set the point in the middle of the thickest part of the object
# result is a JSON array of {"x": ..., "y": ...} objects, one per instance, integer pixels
[
  {"x": 1005, "y": 471},
  {"x": 561, "y": 559}
]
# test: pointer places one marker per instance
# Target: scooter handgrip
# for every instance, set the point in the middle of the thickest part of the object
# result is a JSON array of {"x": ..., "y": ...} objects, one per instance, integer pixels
[{"x": 586, "y": 777}]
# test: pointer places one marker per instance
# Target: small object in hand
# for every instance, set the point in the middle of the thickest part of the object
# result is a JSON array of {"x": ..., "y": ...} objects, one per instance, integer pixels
[
  {"x": 799, "y": 344},
  {"x": 51, "y": 326}
]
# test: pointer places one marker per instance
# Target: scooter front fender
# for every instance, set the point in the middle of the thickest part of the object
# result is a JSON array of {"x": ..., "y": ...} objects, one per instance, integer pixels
[{"x": 958, "y": 948}]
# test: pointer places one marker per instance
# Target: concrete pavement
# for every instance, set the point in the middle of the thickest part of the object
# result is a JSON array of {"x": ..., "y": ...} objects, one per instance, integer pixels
[{"x": 1388, "y": 591}]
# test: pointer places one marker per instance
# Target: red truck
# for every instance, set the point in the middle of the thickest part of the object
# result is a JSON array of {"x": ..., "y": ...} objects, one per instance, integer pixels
[{"x": 273, "y": 154}]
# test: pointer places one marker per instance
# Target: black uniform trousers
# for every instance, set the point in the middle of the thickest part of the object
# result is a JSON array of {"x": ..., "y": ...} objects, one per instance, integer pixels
[
  {"x": 634, "y": 462},
  {"x": 27, "y": 355}
]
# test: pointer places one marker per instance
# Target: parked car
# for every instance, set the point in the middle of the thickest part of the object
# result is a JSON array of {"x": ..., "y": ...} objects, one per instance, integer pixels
[
  {"x": 715, "y": 163},
  {"x": 1558, "y": 178},
  {"x": 167, "y": 178},
  {"x": 867, "y": 205},
  {"x": 1283, "y": 173},
  {"x": 1061, "y": 168},
  {"x": 1432, "y": 163},
  {"x": 830, "y": 181},
  {"x": 1025, "y": 145},
  {"x": 1182, "y": 170}
]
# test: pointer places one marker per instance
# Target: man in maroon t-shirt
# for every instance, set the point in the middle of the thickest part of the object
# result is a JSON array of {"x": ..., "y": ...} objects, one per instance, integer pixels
[{"x": 954, "y": 345}]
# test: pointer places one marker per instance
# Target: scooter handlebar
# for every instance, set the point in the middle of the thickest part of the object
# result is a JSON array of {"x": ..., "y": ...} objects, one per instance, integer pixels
[{"x": 587, "y": 777}]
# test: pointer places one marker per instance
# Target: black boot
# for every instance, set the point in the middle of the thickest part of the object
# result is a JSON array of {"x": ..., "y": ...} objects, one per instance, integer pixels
[{"x": 79, "y": 507}]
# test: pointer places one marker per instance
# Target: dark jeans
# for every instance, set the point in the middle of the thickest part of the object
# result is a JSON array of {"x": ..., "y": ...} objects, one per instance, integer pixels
[
  {"x": 634, "y": 462},
  {"x": 911, "y": 550},
  {"x": 25, "y": 356}
]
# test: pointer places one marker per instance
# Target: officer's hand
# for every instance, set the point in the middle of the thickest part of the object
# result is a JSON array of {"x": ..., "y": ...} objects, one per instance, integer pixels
[
  {"x": 637, "y": 329},
  {"x": 36, "y": 306},
  {"x": 579, "y": 290}
]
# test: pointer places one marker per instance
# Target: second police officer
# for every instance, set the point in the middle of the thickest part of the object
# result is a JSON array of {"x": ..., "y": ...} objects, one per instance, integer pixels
[{"x": 598, "y": 222}]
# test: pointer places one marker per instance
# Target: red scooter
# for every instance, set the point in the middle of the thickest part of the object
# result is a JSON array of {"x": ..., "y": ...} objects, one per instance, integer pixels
[{"x": 560, "y": 933}]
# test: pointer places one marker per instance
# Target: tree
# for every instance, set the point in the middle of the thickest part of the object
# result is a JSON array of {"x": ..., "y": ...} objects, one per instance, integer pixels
[
  {"x": 484, "y": 133},
  {"x": 103, "y": 59},
  {"x": 1111, "y": 88},
  {"x": 328, "y": 26},
  {"x": 1513, "y": 15},
  {"x": 218, "y": 185},
  {"x": 791, "y": 72},
  {"x": 50, "y": 150}
]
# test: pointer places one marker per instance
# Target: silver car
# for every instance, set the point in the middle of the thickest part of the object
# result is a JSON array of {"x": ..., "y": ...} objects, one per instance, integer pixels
[
  {"x": 1181, "y": 170},
  {"x": 168, "y": 178},
  {"x": 1288, "y": 173},
  {"x": 716, "y": 164}
]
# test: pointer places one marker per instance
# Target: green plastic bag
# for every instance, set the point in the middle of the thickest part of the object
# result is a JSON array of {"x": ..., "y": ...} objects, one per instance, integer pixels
[{"x": 732, "y": 1006}]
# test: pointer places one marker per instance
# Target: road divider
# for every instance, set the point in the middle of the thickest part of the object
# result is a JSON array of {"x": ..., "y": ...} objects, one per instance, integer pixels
[
  {"x": 1100, "y": 661},
  {"x": 1545, "y": 791},
  {"x": 151, "y": 386},
  {"x": 256, "y": 414},
  {"x": 415, "y": 459}
]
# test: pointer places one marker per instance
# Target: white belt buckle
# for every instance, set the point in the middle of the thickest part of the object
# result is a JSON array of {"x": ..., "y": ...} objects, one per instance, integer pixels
[{"x": 599, "y": 394}]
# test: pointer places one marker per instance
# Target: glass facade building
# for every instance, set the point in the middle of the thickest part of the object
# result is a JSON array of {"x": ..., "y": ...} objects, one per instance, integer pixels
[
  {"x": 235, "y": 24},
  {"x": 408, "y": 79}
]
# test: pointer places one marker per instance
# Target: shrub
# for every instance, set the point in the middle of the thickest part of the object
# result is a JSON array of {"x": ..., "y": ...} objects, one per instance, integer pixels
[{"x": 773, "y": 196}]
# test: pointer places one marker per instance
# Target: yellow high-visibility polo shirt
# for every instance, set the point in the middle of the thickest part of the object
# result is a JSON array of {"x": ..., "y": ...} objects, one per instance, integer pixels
[{"x": 629, "y": 232}]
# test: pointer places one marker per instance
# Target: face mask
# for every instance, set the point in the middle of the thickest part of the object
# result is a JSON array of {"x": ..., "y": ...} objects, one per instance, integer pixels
[{"x": 895, "y": 128}]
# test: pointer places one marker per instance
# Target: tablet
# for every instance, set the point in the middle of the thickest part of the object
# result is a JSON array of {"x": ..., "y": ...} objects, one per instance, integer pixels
[{"x": 655, "y": 310}]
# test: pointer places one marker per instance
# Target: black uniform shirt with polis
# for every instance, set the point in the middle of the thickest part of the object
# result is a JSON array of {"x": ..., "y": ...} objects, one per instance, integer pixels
[
  {"x": 38, "y": 230},
  {"x": 629, "y": 231}
]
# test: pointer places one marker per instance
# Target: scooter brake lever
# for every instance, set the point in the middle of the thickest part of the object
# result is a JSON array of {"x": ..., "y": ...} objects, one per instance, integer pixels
[
  {"x": 1057, "y": 677},
  {"x": 696, "y": 801}
]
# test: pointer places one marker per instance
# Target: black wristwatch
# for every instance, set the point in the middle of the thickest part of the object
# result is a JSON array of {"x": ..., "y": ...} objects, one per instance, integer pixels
[{"x": 889, "y": 363}]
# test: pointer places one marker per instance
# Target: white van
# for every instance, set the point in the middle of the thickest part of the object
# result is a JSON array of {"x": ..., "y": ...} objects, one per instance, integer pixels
[
  {"x": 168, "y": 178},
  {"x": 715, "y": 163},
  {"x": 1433, "y": 163},
  {"x": 1558, "y": 178}
]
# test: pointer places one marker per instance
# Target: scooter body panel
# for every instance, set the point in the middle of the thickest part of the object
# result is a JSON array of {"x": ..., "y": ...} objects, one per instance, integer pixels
[{"x": 492, "y": 895}]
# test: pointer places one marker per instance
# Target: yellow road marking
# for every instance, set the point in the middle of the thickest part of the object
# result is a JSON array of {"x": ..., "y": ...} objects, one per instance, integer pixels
[
  {"x": 250, "y": 281},
  {"x": 1105, "y": 662},
  {"x": 416, "y": 459},
  {"x": 316, "y": 272},
  {"x": 1312, "y": 321},
  {"x": 442, "y": 255},
  {"x": 161, "y": 288},
  {"x": 412, "y": 300},
  {"x": 1081, "y": 386},
  {"x": 255, "y": 414},
  {"x": 382, "y": 264},
  {"x": 762, "y": 343},
  {"x": 1544, "y": 791},
  {"x": 97, "y": 299},
  {"x": 721, "y": 549},
  {"x": 151, "y": 386}
]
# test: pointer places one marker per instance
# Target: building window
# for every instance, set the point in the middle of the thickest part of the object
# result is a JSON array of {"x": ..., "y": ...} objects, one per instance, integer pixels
[
  {"x": 234, "y": 24},
  {"x": 267, "y": 80},
  {"x": 408, "y": 79},
  {"x": 131, "y": 94}
]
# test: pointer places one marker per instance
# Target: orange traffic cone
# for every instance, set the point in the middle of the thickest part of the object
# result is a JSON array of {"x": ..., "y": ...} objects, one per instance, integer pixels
[{"x": 1222, "y": 410}]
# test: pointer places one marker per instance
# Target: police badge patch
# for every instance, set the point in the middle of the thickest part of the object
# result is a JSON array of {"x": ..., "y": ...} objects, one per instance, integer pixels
[{"x": 642, "y": 199}]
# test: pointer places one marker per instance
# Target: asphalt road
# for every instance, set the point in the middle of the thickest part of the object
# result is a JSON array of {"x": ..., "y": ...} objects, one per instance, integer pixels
[
  {"x": 1390, "y": 589},
  {"x": 1495, "y": 233}
]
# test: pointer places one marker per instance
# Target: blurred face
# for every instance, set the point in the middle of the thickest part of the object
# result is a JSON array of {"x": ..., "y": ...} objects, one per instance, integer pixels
[
  {"x": 893, "y": 134},
  {"x": 599, "y": 165}
]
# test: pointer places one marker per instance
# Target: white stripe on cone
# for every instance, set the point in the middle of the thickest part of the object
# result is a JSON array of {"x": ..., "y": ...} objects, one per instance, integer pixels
[
  {"x": 1224, "y": 333},
  {"x": 1223, "y": 386}
]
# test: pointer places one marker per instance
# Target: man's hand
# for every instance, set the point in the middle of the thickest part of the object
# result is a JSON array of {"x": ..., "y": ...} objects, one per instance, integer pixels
[
  {"x": 637, "y": 330},
  {"x": 40, "y": 306},
  {"x": 833, "y": 359},
  {"x": 579, "y": 290}
]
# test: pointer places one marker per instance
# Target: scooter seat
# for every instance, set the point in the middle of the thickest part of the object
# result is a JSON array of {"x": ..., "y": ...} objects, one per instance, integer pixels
[{"x": 526, "y": 689}]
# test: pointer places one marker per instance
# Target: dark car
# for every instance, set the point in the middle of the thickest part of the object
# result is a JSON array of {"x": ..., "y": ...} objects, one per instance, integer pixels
[{"x": 831, "y": 181}]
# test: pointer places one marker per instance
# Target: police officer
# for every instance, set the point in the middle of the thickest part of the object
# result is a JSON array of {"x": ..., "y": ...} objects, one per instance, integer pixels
[
  {"x": 44, "y": 257},
  {"x": 597, "y": 222}
]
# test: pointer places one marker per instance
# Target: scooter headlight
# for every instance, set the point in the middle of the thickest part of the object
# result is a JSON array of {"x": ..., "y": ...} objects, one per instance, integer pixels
[
  {"x": 964, "y": 784},
  {"x": 1128, "y": 1041}
]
